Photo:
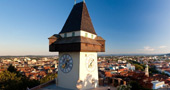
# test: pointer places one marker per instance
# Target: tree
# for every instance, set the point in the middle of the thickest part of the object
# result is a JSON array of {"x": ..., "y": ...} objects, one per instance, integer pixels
[
  {"x": 48, "y": 78},
  {"x": 12, "y": 69},
  {"x": 13, "y": 80},
  {"x": 138, "y": 67},
  {"x": 9, "y": 81},
  {"x": 124, "y": 87},
  {"x": 135, "y": 85}
]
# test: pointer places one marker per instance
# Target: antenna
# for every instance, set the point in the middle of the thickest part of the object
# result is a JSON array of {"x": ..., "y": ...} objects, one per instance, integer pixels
[{"x": 74, "y": 2}]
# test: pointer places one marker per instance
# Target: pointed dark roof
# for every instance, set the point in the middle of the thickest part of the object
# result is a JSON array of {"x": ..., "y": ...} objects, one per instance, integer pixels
[{"x": 79, "y": 19}]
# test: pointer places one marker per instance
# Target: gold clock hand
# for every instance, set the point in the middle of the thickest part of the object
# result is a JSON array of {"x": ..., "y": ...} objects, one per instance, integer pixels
[
  {"x": 63, "y": 66},
  {"x": 91, "y": 63}
]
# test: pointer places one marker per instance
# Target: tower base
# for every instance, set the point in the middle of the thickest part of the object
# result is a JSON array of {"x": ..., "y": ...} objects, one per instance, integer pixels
[{"x": 81, "y": 76}]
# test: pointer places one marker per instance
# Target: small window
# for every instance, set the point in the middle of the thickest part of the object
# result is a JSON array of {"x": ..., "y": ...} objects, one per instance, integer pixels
[
  {"x": 92, "y": 36},
  {"x": 86, "y": 35},
  {"x": 73, "y": 34},
  {"x": 65, "y": 34}
]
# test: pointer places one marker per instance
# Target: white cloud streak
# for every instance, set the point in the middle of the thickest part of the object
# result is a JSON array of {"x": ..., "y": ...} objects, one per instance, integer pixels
[
  {"x": 147, "y": 48},
  {"x": 162, "y": 47}
]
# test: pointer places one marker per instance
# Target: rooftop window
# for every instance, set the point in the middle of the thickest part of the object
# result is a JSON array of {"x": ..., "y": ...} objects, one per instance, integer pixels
[
  {"x": 92, "y": 36},
  {"x": 73, "y": 34},
  {"x": 86, "y": 34},
  {"x": 65, "y": 35}
]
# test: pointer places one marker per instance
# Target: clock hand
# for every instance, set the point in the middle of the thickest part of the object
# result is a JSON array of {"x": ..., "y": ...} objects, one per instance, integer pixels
[
  {"x": 67, "y": 61},
  {"x": 91, "y": 63},
  {"x": 63, "y": 66}
]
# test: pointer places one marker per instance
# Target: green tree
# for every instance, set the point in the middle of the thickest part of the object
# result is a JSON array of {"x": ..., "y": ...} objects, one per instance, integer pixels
[
  {"x": 13, "y": 80},
  {"x": 48, "y": 78},
  {"x": 135, "y": 85},
  {"x": 139, "y": 67},
  {"x": 9, "y": 81},
  {"x": 124, "y": 87},
  {"x": 12, "y": 69}
]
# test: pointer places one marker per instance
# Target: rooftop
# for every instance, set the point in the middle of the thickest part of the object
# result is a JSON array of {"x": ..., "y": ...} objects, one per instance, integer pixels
[{"x": 79, "y": 19}]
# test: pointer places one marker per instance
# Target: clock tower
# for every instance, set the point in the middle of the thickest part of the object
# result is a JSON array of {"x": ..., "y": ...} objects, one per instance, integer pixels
[{"x": 77, "y": 44}]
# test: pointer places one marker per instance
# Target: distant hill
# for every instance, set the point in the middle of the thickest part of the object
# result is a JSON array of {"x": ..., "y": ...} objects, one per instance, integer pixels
[
  {"x": 31, "y": 56},
  {"x": 134, "y": 54},
  {"x": 168, "y": 54},
  {"x": 129, "y": 54}
]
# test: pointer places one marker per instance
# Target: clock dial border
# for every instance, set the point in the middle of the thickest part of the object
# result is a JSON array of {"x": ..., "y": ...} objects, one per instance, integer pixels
[
  {"x": 87, "y": 63},
  {"x": 61, "y": 63}
]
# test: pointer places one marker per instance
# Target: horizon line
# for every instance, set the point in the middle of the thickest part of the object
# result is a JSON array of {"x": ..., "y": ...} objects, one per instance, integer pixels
[{"x": 98, "y": 54}]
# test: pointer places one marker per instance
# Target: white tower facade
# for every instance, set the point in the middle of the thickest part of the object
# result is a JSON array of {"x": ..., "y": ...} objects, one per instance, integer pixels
[{"x": 84, "y": 73}]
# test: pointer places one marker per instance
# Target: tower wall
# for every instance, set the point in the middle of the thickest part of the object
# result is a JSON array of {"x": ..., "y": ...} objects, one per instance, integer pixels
[
  {"x": 69, "y": 80},
  {"x": 79, "y": 71},
  {"x": 88, "y": 75}
]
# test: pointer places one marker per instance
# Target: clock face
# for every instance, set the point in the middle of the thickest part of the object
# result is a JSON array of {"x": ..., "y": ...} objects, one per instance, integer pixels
[
  {"x": 90, "y": 63},
  {"x": 66, "y": 63}
]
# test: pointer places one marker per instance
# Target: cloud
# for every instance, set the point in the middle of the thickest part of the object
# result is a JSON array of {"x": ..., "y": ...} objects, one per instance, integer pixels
[
  {"x": 162, "y": 47},
  {"x": 155, "y": 50},
  {"x": 147, "y": 48}
]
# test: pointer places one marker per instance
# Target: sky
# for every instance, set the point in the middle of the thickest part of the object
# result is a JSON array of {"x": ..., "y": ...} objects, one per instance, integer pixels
[{"x": 128, "y": 26}]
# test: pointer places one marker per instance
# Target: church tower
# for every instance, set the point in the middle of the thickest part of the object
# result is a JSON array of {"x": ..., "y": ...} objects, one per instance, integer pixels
[
  {"x": 147, "y": 71},
  {"x": 77, "y": 44}
]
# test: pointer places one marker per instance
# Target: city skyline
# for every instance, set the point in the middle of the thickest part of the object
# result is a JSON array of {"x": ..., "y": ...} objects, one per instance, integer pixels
[{"x": 129, "y": 27}]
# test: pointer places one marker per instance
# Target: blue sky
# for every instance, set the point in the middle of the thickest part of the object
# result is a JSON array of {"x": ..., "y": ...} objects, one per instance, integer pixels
[{"x": 129, "y": 26}]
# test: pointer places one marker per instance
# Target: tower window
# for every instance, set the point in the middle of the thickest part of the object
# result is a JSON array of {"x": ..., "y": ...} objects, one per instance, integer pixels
[
  {"x": 92, "y": 36},
  {"x": 65, "y": 34},
  {"x": 73, "y": 34},
  {"x": 86, "y": 34}
]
